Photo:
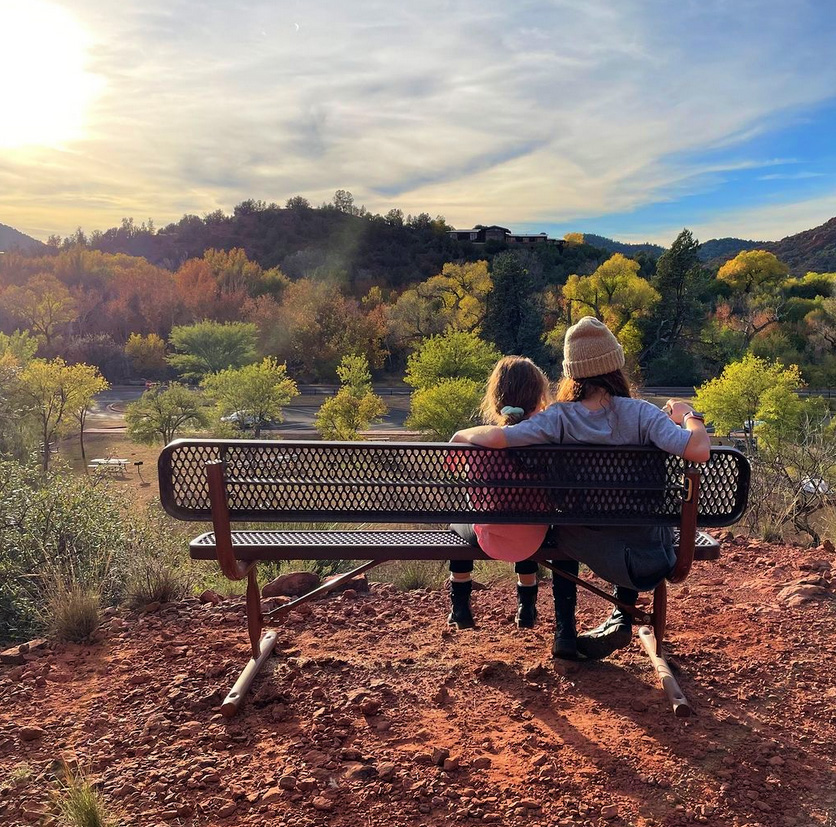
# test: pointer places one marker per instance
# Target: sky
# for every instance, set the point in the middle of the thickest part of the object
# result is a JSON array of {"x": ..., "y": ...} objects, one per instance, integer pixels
[{"x": 627, "y": 118}]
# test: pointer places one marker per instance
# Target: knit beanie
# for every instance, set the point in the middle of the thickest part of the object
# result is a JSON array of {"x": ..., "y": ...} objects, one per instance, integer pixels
[{"x": 590, "y": 349}]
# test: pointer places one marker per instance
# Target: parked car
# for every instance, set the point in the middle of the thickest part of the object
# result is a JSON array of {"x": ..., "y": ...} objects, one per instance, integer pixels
[{"x": 246, "y": 420}]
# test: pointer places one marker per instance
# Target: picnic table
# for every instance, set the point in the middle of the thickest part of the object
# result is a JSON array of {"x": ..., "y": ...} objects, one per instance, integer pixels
[{"x": 109, "y": 464}]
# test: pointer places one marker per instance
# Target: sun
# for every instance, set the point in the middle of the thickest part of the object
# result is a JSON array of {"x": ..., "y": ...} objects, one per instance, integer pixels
[{"x": 46, "y": 87}]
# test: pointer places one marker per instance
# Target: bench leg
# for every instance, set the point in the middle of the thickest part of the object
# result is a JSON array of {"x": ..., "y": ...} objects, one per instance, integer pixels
[
  {"x": 238, "y": 692},
  {"x": 651, "y": 639}
]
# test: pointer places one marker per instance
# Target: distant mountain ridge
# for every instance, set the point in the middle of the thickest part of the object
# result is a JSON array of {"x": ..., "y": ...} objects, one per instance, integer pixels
[
  {"x": 11, "y": 239},
  {"x": 613, "y": 246}
]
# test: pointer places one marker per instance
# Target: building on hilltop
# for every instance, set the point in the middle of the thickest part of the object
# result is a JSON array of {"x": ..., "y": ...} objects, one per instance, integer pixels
[{"x": 481, "y": 235}]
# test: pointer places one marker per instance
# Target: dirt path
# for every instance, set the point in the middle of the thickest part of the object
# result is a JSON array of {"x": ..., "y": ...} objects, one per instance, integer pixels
[{"x": 373, "y": 713}]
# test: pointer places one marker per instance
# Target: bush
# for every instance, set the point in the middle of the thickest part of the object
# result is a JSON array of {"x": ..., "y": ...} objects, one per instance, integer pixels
[
  {"x": 408, "y": 575},
  {"x": 55, "y": 530}
]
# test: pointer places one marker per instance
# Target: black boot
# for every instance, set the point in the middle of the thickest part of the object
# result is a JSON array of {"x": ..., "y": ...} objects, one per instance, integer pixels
[
  {"x": 461, "y": 616},
  {"x": 526, "y": 606},
  {"x": 615, "y": 632},
  {"x": 565, "y": 599}
]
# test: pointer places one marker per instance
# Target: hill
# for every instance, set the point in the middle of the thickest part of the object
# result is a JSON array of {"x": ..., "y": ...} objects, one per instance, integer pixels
[
  {"x": 721, "y": 250},
  {"x": 611, "y": 246},
  {"x": 11, "y": 239},
  {"x": 370, "y": 692},
  {"x": 809, "y": 250}
]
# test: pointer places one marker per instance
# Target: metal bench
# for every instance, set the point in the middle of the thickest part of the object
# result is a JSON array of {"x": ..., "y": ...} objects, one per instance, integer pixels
[{"x": 256, "y": 481}]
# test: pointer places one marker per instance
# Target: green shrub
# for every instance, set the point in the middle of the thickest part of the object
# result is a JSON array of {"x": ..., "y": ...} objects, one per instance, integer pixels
[
  {"x": 71, "y": 611},
  {"x": 80, "y": 804}
]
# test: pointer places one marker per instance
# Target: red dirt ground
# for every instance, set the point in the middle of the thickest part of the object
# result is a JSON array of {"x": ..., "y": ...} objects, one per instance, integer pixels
[{"x": 368, "y": 692}]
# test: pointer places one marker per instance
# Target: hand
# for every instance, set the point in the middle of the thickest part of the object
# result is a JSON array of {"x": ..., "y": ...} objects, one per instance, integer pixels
[{"x": 676, "y": 409}]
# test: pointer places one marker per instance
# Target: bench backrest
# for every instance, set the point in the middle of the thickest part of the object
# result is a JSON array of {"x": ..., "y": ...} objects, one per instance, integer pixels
[{"x": 293, "y": 481}]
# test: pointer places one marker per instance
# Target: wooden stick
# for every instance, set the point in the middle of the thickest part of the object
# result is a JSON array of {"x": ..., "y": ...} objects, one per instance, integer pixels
[
  {"x": 238, "y": 692},
  {"x": 681, "y": 707}
]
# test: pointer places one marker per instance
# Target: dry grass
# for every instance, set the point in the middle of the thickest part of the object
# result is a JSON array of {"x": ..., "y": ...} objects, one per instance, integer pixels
[
  {"x": 71, "y": 610},
  {"x": 80, "y": 804},
  {"x": 408, "y": 575}
]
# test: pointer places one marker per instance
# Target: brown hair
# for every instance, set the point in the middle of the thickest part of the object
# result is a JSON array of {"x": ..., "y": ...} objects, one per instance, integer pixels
[
  {"x": 574, "y": 390},
  {"x": 518, "y": 382}
]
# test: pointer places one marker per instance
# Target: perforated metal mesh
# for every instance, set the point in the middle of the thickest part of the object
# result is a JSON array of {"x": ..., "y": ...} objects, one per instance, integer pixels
[{"x": 432, "y": 483}]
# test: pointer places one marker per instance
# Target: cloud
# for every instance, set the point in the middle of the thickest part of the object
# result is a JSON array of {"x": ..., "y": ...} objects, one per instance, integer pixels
[{"x": 546, "y": 111}]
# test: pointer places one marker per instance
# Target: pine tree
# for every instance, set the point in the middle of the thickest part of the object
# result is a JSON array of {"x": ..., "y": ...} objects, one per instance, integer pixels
[{"x": 514, "y": 312}]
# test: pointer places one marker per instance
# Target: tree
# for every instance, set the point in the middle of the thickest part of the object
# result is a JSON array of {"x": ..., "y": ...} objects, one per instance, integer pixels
[
  {"x": 297, "y": 202},
  {"x": 259, "y": 390},
  {"x": 753, "y": 272},
  {"x": 146, "y": 355},
  {"x": 514, "y": 314},
  {"x": 43, "y": 304},
  {"x": 574, "y": 238},
  {"x": 344, "y": 201},
  {"x": 20, "y": 345},
  {"x": 456, "y": 355},
  {"x": 86, "y": 383},
  {"x": 756, "y": 279},
  {"x": 355, "y": 406},
  {"x": 615, "y": 294},
  {"x": 209, "y": 347},
  {"x": 438, "y": 411},
  {"x": 747, "y": 391},
  {"x": 163, "y": 414},
  {"x": 53, "y": 392},
  {"x": 681, "y": 283}
]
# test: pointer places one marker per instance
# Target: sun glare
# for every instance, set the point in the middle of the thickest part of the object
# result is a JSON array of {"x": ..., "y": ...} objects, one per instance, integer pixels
[{"x": 46, "y": 88}]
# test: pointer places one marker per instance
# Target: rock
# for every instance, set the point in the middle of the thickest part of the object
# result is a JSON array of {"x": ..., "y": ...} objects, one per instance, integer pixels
[
  {"x": 225, "y": 810},
  {"x": 371, "y": 706},
  {"x": 356, "y": 584},
  {"x": 150, "y": 608},
  {"x": 440, "y": 755},
  {"x": 12, "y": 657},
  {"x": 530, "y": 804},
  {"x": 442, "y": 696},
  {"x": 828, "y": 546},
  {"x": 776, "y": 761},
  {"x": 31, "y": 733},
  {"x": 294, "y": 584},
  {"x": 386, "y": 771},
  {"x": 272, "y": 796},
  {"x": 360, "y": 772},
  {"x": 287, "y": 782},
  {"x": 423, "y": 758},
  {"x": 797, "y": 594},
  {"x": 450, "y": 764},
  {"x": 481, "y": 763},
  {"x": 210, "y": 596},
  {"x": 609, "y": 811},
  {"x": 322, "y": 804}
]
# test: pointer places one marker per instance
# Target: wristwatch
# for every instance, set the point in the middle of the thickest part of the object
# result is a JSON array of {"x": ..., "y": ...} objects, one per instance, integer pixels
[{"x": 694, "y": 415}]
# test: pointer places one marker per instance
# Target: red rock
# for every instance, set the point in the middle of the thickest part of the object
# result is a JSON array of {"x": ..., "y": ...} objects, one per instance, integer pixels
[
  {"x": 609, "y": 811},
  {"x": 356, "y": 584},
  {"x": 481, "y": 763},
  {"x": 323, "y": 804},
  {"x": 210, "y": 596},
  {"x": 12, "y": 656},
  {"x": 293, "y": 584},
  {"x": 29, "y": 732},
  {"x": 440, "y": 755}
]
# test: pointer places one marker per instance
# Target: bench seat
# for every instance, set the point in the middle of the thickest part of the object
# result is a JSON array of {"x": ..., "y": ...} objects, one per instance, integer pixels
[{"x": 439, "y": 544}]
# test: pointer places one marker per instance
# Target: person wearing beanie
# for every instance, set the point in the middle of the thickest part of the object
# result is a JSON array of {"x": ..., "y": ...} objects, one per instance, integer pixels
[{"x": 594, "y": 406}]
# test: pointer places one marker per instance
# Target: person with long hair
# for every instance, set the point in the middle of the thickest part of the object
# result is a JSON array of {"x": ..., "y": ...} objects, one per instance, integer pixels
[
  {"x": 594, "y": 405},
  {"x": 516, "y": 390}
]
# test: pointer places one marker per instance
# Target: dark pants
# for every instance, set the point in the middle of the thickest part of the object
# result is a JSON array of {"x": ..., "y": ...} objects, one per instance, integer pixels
[{"x": 466, "y": 532}]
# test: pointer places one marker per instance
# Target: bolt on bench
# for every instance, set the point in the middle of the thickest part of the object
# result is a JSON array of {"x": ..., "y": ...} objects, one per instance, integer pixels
[{"x": 429, "y": 483}]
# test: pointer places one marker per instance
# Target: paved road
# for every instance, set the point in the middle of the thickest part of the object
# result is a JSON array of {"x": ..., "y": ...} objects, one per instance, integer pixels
[{"x": 108, "y": 411}]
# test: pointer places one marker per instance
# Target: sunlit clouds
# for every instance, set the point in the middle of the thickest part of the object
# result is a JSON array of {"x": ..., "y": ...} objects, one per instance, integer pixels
[
  {"x": 539, "y": 113},
  {"x": 46, "y": 87}
]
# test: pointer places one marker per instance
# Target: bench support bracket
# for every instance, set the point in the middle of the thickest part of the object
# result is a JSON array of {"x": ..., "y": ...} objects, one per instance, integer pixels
[{"x": 681, "y": 707}]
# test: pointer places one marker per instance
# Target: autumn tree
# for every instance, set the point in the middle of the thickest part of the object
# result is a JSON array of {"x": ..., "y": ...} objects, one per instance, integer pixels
[
  {"x": 146, "y": 355},
  {"x": 574, "y": 239},
  {"x": 355, "y": 405},
  {"x": 54, "y": 393},
  {"x": 86, "y": 383},
  {"x": 260, "y": 391},
  {"x": 616, "y": 295},
  {"x": 756, "y": 279},
  {"x": 20, "y": 345},
  {"x": 160, "y": 415},
  {"x": 514, "y": 314},
  {"x": 44, "y": 305},
  {"x": 209, "y": 347}
]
